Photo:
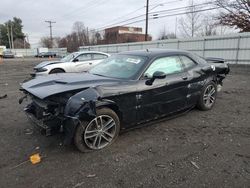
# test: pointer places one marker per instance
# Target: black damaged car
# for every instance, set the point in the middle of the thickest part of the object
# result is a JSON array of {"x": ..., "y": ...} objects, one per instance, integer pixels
[{"x": 124, "y": 91}]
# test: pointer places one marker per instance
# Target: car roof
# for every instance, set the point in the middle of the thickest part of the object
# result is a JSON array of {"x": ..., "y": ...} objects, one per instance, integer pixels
[
  {"x": 155, "y": 52},
  {"x": 94, "y": 52}
]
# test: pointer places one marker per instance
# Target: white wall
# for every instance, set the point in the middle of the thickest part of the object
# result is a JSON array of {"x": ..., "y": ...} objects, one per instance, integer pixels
[{"x": 234, "y": 48}]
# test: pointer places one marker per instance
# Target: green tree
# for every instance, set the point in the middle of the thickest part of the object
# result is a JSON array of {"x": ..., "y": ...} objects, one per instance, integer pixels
[{"x": 18, "y": 35}]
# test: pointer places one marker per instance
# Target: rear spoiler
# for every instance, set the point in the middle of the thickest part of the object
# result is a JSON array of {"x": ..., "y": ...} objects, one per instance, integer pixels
[{"x": 214, "y": 60}]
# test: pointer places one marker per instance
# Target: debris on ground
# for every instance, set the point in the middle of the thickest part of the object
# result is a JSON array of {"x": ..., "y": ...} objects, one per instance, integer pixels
[
  {"x": 160, "y": 165},
  {"x": 36, "y": 158},
  {"x": 91, "y": 175},
  {"x": 4, "y": 96},
  {"x": 20, "y": 164},
  {"x": 78, "y": 184},
  {"x": 194, "y": 164},
  {"x": 28, "y": 131}
]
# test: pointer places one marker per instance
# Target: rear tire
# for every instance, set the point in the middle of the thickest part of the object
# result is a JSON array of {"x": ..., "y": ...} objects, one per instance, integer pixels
[
  {"x": 54, "y": 71},
  {"x": 98, "y": 133},
  {"x": 208, "y": 97}
]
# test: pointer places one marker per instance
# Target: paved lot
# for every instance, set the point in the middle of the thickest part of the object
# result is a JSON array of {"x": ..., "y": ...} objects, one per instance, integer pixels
[{"x": 198, "y": 149}]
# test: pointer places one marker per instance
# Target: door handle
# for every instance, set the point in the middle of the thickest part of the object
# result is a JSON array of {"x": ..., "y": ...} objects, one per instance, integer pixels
[{"x": 184, "y": 78}]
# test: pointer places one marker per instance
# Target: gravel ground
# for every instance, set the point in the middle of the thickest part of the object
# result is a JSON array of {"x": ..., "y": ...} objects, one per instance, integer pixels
[{"x": 198, "y": 149}]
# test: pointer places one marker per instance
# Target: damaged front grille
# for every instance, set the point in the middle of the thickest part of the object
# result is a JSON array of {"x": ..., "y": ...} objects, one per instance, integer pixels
[{"x": 45, "y": 114}]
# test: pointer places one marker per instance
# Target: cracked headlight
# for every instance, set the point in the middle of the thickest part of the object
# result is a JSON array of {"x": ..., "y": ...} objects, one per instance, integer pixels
[{"x": 41, "y": 69}]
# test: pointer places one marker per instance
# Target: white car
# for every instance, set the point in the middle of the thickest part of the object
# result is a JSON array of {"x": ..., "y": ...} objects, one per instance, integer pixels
[{"x": 74, "y": 62}]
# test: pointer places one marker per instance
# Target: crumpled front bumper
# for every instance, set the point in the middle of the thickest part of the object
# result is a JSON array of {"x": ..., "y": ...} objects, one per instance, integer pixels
[
  {"x": 47, "y": 123},
  {"x": 67, "y": 126}
]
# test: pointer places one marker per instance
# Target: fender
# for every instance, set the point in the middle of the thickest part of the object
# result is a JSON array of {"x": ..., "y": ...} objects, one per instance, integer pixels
[{"x": 81, "y": 107}]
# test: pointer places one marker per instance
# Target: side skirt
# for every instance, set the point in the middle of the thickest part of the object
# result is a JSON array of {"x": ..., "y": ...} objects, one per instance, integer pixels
[{"x": 162, "y": 119}]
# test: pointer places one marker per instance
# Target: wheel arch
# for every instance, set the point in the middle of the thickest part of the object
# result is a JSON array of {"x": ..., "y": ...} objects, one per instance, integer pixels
[
  {"x": 109, "y": 104},
  {"x": 61, "y": 69},
  {"x": 82, "y": 107}
]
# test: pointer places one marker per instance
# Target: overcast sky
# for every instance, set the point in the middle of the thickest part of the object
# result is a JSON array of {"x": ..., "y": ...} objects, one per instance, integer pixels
[{"x": 93, "y": 13}]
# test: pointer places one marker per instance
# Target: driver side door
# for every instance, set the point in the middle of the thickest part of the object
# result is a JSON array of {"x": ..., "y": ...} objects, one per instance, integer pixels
[
  {"x": 83, "y": 62},
  {"x": 164, "y": 96}
]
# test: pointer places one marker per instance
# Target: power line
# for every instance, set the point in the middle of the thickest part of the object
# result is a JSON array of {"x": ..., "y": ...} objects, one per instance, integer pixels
[
  {"x": 79, "y": 8},
  {"x": 170, "y": 15},
  {"x": 132, "y": 18},
  {"x": 136, "y": 10},
  {"x": 152, "y": 13},
  {"x": 86, "y": 7},
  {"x": 132, "y": 12}
]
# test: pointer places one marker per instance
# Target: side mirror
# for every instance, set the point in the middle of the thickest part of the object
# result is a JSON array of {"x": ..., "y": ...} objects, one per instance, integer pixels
[
  {"x": 75, "y": 60},
  {"x": 156, "y": 75}
]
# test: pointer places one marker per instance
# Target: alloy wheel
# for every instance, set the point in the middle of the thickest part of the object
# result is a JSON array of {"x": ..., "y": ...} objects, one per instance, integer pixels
[
  {"x": 209, "y": 95},
  {"x": 100, "y": 132}
]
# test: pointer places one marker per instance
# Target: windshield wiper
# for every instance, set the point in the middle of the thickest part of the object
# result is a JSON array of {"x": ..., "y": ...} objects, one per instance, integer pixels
[{"x": 99, "y": 75}]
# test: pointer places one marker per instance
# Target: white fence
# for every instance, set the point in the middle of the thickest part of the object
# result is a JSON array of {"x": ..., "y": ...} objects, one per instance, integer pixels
[
  {"x": 33, "y": 51},
  {"x": 234, "y": 48}
]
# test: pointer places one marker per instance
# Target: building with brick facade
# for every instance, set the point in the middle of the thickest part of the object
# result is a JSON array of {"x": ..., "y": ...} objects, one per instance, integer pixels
[{"x": 120, "y": 34}]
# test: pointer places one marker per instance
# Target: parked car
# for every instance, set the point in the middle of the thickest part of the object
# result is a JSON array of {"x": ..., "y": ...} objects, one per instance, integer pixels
[
  {"x": 74, "y": 62},
  {"x": 8, "y": 54},
  {"x": 124, "y": 91},
  {"x": 46, "y": 54}
]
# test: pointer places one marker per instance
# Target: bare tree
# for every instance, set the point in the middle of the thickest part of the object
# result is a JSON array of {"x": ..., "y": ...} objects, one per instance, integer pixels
[
  {"x": 209, "y": 27},
  {"x": 82, "y": 33},
  {"x": 166, "y": 35},
  {"x": 21, "y": 43},
  {"x": 190, "y": 25},
  {"x": 236, "y": 14},
  {"x": 46, "y": 42}
]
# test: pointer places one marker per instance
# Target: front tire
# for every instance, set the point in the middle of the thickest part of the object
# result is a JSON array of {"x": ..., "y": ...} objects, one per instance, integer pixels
[
  {"x": 55, "y": 71},
  {"x": 208, "y": 97},
  {"x": 99, "y": 132}
]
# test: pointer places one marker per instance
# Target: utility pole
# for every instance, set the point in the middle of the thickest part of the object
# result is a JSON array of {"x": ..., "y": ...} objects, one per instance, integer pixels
[
  {"x": 8, "y": 35},
  {"x": 11, "y": 32},
  {"x": 24, "y": 43},
  {"x": 176, "y": 20},
  {"x": 146, "y": 28},
  {"x": 50, "y": 27}
]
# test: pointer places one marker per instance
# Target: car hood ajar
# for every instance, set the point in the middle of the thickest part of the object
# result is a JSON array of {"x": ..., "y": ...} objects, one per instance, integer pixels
[
  {"x": 43, "y": 87},
  {"x": 45, "y": 63}
]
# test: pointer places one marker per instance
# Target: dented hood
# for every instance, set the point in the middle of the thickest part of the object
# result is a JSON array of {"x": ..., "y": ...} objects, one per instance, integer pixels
[
  {"x": 45, "y": 86},
  {"x": 45, "y": 63}
]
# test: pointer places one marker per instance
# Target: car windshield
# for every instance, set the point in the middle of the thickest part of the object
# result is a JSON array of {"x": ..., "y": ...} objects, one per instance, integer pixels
[
  {"x": 119, "y": 66},
  {"x": 69, "y": 57}
]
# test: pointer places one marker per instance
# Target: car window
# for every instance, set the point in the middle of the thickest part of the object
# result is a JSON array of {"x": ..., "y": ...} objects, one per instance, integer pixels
[
  {"x": 119, "y": 66},
  {"x": 84, "y": 57},
  {"x": 99, "y": 56},
  {"x": 168, "y": 65},
  {"x": 187, "y": 62}
]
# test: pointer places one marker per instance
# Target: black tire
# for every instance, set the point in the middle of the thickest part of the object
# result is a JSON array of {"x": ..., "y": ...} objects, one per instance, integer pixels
[
  {"x": 54, "y": 71},
  {"x": 81, "y": 142},
  {"x": 208, "y": 97}
]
